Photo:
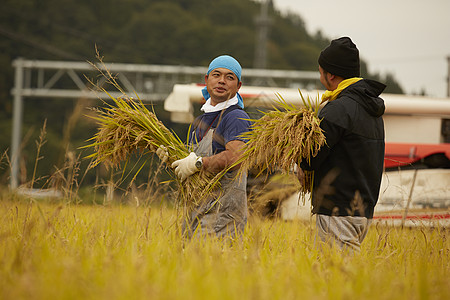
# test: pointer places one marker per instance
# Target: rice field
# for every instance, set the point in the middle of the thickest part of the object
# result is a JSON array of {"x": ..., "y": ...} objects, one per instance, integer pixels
[{"x": 58, "y": 250}]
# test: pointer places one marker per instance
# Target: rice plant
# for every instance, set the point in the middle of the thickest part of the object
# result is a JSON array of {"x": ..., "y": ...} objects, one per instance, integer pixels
[
  {"x": 283, "y": 138},
  {"x": 127, "y": 126},
  {"x": 67, "y": 251}
]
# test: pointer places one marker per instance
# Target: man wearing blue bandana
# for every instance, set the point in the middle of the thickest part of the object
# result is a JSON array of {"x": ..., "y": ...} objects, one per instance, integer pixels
[{"x": 216, "y": 141}]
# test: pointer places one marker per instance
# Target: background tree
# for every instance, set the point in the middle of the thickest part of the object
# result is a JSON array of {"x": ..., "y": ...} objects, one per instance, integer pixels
[{"x": 174, "y": 32}]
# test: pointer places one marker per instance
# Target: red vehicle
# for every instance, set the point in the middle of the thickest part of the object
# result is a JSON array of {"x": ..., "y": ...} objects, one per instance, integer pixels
[{"x": 407, "y": 155}]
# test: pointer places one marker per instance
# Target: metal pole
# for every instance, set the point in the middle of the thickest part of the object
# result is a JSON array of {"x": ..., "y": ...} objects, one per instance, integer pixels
[
  {"x": 262, "y": 22},
  {"x": 17, "y": 124},
  {"x": 405, "y": 213}
]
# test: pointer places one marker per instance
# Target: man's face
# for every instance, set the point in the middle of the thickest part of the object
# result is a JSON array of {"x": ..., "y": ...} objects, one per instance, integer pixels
[
  {"x": 324, "y": 78},
  {"x": 222, "y": 84}
]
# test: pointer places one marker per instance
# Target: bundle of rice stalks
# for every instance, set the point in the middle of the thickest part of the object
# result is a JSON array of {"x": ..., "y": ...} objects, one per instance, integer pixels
[
  {"x": 284, "y": 136},
  {"x": 127, "y": 126}
]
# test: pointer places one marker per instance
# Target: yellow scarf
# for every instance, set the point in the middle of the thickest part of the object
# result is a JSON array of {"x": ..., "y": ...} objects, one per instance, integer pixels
[{"x": 331, "y": 95}]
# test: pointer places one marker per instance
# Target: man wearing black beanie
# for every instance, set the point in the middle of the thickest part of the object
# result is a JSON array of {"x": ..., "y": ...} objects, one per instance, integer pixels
[
  {"x": 341, "y": 58},
  {"x": 348, "y": 169}
]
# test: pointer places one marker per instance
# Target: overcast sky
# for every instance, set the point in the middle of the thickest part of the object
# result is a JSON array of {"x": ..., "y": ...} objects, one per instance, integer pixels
[{"x": 407, "y": 38}]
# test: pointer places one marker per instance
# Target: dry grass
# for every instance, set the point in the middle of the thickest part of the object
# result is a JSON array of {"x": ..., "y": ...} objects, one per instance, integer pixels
[{"x": 61, "y": 251}]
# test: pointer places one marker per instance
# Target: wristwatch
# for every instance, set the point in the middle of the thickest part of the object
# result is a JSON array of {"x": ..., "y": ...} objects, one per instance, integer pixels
[{"x": 199, "y": 163}]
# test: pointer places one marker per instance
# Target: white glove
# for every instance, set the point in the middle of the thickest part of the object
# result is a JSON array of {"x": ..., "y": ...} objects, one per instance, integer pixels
[
  {"x": 185, "y": 167},
  {"x": 162, "y": 153}
]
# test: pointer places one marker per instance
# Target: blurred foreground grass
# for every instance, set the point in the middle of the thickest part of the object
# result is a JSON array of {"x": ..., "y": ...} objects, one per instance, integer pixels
[{"x": 67, "y": 251}]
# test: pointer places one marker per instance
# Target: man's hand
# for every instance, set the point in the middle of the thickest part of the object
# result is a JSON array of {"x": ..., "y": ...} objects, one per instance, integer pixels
[{"x": 185, "y": 167}]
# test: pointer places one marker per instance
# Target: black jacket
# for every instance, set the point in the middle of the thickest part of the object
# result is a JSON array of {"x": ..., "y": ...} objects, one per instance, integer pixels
[{"x": 349, "y": 167}]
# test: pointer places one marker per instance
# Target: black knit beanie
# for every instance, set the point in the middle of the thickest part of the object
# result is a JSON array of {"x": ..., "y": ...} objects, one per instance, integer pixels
[{"x": 341, "y": 58}]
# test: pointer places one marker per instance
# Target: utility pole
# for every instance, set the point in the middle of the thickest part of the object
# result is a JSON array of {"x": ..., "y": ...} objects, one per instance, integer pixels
[
  {"x": 262, "y": 24},
  {"x": 17, "y": 123}
]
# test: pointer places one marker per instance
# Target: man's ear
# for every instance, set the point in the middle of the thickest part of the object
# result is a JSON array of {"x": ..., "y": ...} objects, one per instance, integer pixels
[{"x": 331, "y": 76}]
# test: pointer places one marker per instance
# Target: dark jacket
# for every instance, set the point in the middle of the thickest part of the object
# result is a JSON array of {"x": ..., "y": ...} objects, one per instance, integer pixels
[{"x": 349, "y": 167}]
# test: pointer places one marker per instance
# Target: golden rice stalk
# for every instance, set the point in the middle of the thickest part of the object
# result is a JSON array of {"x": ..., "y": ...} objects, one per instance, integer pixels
[
  {"x": 282, "y": 137},
  {"x": 126, "y": 126}
]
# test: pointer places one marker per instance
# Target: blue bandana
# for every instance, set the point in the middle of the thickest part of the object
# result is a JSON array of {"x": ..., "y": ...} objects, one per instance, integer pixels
[{"x": 227, "y": 62}]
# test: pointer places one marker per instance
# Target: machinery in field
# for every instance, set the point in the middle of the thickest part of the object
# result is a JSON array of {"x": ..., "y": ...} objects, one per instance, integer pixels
[{"x": 416, "y": 182}]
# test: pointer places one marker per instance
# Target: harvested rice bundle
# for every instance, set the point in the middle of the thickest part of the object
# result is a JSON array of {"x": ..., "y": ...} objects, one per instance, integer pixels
[
  {"x": 127, "y": 125},
  {"x": 282, "y": 137},
  {"x": 130, "y": 126}
]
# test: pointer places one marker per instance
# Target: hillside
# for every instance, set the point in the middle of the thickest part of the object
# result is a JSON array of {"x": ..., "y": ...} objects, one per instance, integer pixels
[{"x": 172, "y": 32}]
